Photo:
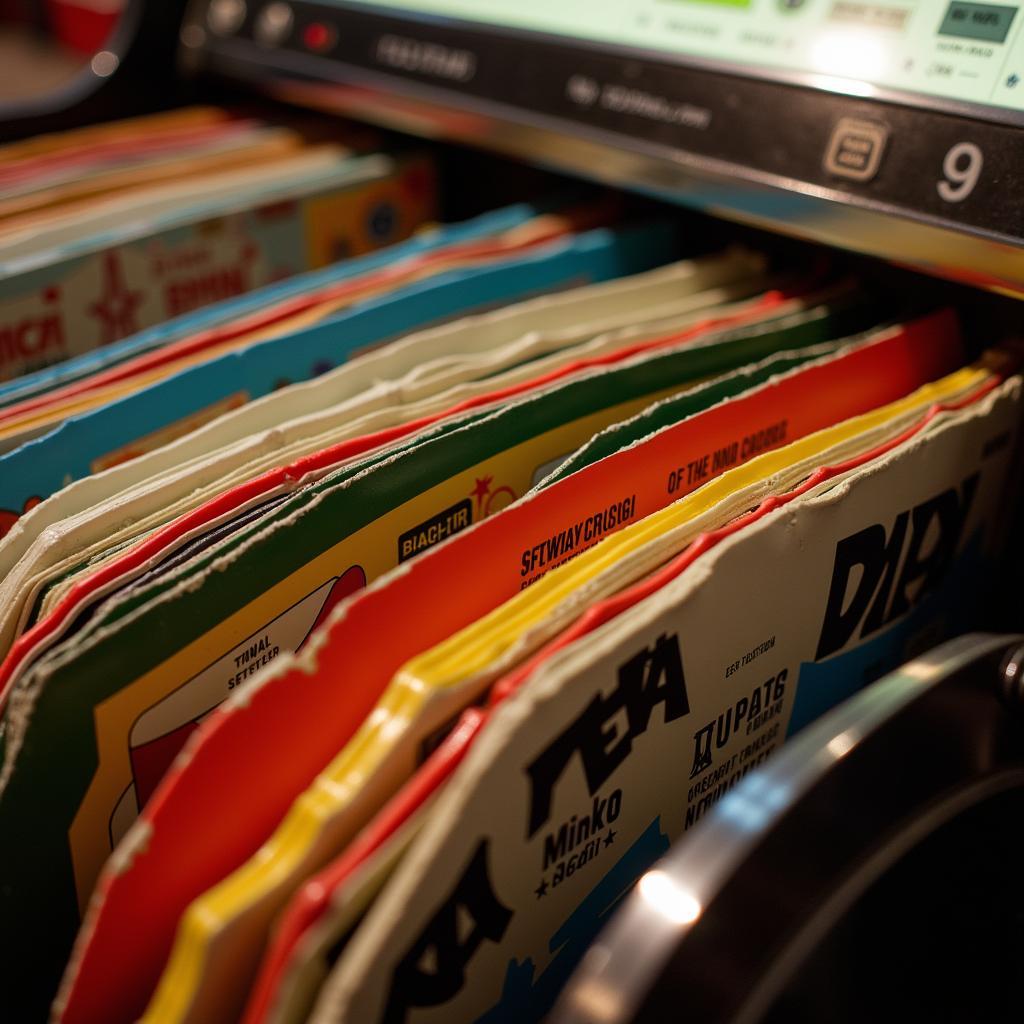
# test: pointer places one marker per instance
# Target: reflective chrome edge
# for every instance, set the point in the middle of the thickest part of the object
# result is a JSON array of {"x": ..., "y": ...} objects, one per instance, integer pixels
[
  {"x": 609, "y": 988},
  {"x": 785, "y": 206}
]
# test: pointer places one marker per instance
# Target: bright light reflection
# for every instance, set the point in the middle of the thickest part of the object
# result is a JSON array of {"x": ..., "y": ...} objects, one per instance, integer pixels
[
  {"x": 839, "y": 746},
  {"x": 850, "y": 86},
  {"x": 748, "y": 815},
  {"x": 593, "y": 1000},
  {"x": 105, "y": 63},
  {"x": 848, "y": 53},
  {"x": 921, "y": 671},
  {"x": 662, "y": 894},
  {"x": 755, "y": 802}
]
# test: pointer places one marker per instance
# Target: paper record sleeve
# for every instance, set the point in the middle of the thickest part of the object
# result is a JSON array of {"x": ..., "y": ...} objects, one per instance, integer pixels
[
  {"x": 535, "y": 924},
  {"x": 846, "y": 368},
  {"x": 104, "y": 577},
  {"x": 595, "y": 255},
  {"x": 317, "y": 893}
]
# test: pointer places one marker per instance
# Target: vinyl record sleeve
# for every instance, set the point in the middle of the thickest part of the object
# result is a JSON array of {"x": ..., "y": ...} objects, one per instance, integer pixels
[
  {"x": 221, "y": 313},
  {"x": 387, "y": 747},
  {"x": 392, "y": 501},
  {"x": 485, "y": 383},
  {"x": 56, "y": 405},
  {"x": 551, "y": 818},
  {"x": 307, "y": 939},
  {"x": 84, "y": 536},
  {"x": 70, "y": 452},
  {"x": 85, "y": 294},
  {"x": 910, "y": 355},
  {"x": 111, "y": 637}
]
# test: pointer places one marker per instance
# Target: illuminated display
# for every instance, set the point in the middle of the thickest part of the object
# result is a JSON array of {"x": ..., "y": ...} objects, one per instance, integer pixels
[{"x": 948, "y": 49}]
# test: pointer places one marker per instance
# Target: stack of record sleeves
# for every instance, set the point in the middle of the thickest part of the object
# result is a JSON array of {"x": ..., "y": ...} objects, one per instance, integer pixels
[{"x": 372, "y": 621}]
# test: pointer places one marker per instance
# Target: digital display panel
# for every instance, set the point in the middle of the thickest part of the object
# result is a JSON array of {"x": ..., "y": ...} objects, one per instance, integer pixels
[
  {"x": 833, "y": 119},
  {"x": 950, "y": 50}
]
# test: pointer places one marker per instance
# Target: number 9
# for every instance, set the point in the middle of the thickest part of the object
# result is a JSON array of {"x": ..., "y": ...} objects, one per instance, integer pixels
[{"x": 960, "y": 181}]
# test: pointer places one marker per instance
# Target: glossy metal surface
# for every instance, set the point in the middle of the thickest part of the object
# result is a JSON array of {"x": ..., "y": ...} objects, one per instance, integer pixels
[
  {"x": 720, "y": 926},
  {"x": 776, "y": 177}
]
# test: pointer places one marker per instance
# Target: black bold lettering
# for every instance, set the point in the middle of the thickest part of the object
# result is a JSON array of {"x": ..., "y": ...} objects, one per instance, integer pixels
[
  {"x": 555, "y": 847},
  {"x": 645, "y": 680},
  {"x": 868, "y": 549},
  {"x": 949, "y": 512},
  {"x": 433, "y": 969},
  {"x": 702, "y": 750}
]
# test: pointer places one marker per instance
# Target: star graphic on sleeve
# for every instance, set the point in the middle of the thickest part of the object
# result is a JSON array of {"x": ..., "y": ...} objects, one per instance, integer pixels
[
  {"x": 481, "y": 490},
  {"x": 610, "y": 838},
  {"x": 542, "y": 889},
  {"x": 117, "y": 307}
]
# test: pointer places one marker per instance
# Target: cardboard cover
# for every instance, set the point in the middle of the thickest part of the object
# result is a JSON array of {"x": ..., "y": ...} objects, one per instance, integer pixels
[
  {"x": 920, "y": 352},
  {"x": 552, "y": 817}
]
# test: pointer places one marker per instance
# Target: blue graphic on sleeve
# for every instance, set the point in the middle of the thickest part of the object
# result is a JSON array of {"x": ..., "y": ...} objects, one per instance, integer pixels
[
  {"x": 947, "y": 611},
  {"x": 522, "y": 999},
  {"x": 44, "y": 465}
]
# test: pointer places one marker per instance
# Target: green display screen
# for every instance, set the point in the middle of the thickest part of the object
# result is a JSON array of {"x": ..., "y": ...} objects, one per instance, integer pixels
[{"x": 949, "y": 49}]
